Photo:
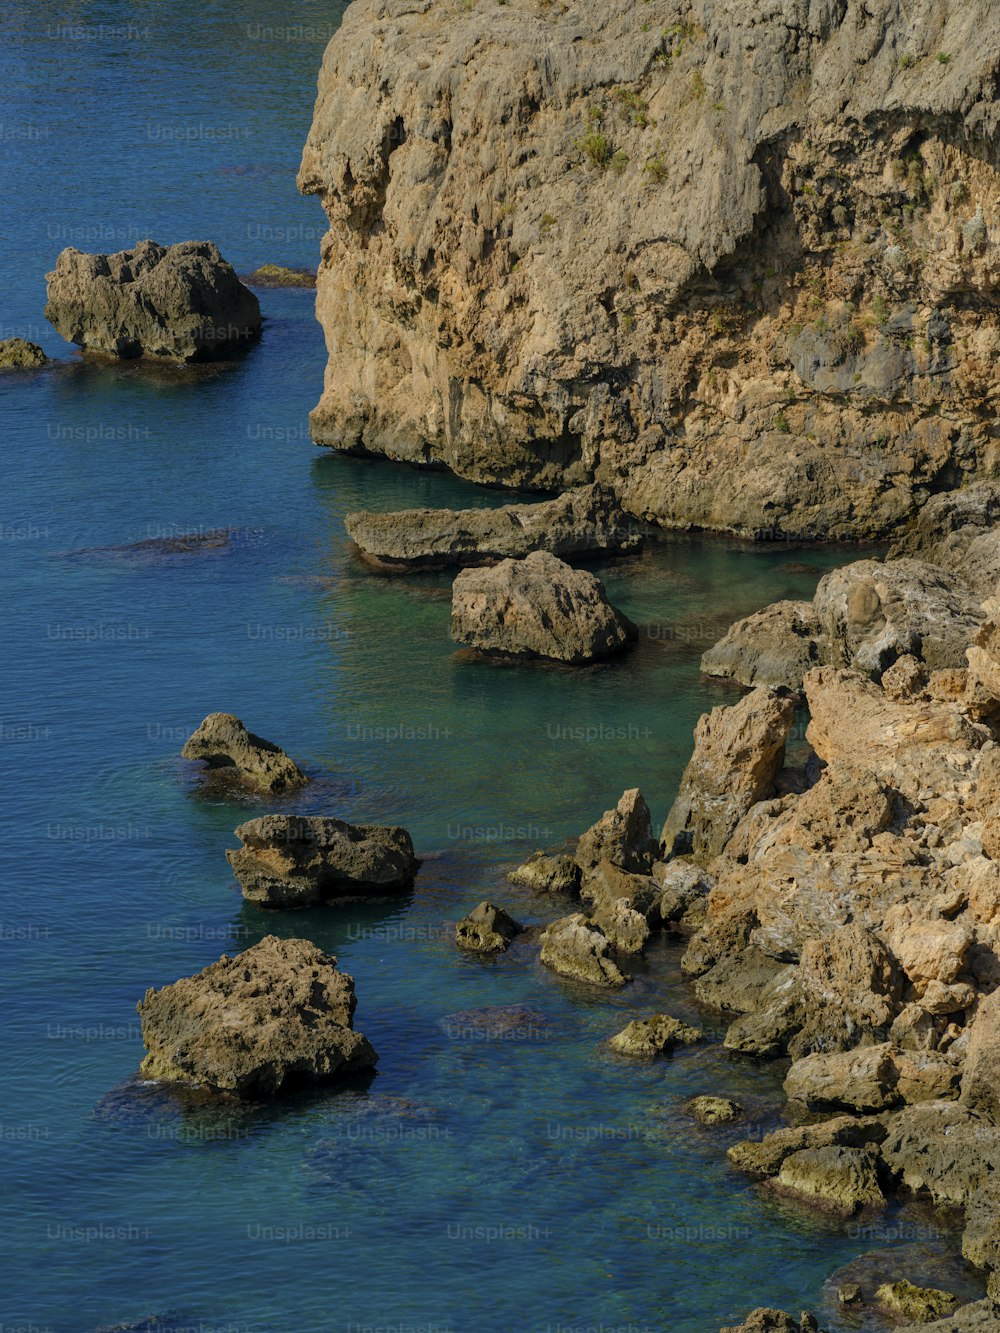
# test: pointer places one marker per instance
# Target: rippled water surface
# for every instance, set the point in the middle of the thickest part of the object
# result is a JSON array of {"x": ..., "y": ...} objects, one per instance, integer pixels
[{"x": 497, "y": 1173}]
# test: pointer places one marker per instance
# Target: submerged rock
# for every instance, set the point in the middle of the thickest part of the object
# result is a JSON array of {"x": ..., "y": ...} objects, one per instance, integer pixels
[
  {"x": 538, "y": 607},
  {"x": 586, "y": 521},
  {"x": 646, "y": 1038},
  {"x": 19, "y": 354},
  {"x": 302, "y": 860},
  {"x": 223, "y": 743},
  {"x": 737, "y": 754},
  {"x": 277, "y": 1014},
  {"x": 487, "y": 929},
  {"x": 708, "y": 1110},
  {"x": 179, "y": 301},
  {"x": 575, "y": 948}
]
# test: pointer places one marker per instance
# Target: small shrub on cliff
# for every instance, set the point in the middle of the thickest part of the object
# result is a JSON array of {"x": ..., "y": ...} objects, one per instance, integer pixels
[
  {"x": 619, "y": 162},
  {"x": 596, "y": 147},
  {"x": 781, "y": 424},
  {"x": 656, "y": 170},
  {"x": 943, "y": 58},
  {"x": 698, "y": 85},
  {"x": 880, "y": 309},
  {"x": 974, "y": 233}
]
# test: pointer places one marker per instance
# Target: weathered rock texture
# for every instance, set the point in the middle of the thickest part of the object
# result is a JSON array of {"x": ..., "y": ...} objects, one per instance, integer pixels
[
  {"x": 586, "y": 521},
  {"x": 279, "y": 1013},
  {"x": 736, "y": 262},
  {"x": 19, "y": 354},
  {"x": 180, "y": 301},
  {"x": 575, "y": 948},
  {"x": 487, "y": 929},
  {"x": 537, "y": 607},
  {"x": 223, "y": 743},
  {"x": 646, "y": 1038},
  {"x": 302, "y": 860}
]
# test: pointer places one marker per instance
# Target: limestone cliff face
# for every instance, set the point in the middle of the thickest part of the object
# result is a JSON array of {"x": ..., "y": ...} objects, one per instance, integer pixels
[{"x": 738, "y": 259}]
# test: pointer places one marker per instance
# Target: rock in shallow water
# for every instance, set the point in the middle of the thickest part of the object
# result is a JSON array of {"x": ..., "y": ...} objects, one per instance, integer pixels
[
  {"x": 487, "y": 929},
  {"x": 279, "y": 1013},
  {"x": 845, "y": 1180},
  {"x": 179, "y": 301},
  {"x": 586, "y": 521},
  {"x": 223, "y": 743},
  {"x": 19, "y": 354},
  {"x": 538, "y": 607},
  {"x": 646, "y": 1038},
  {"x": 302, "y": 860},
  {"x": 709, "y": 1110},
  {"x": 574, "y": 948}
]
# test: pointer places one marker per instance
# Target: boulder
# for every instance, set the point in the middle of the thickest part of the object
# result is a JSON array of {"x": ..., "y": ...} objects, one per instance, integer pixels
[
  {"x": 277, "y": 275},
  {"x": 870, "y": 1078},
  {"x": 575, "y": 948},
  {"x": 942, "y": 1150},
  {"x": 738, "y": 752},
  {"x": 179, "y": 301},
  {"x": 623, "y": 836},
  {"x": 764, "y": 1157},
  {"x": 302, "y": 860},
  {"x": 842, "y": 1179},
  {"x": 225, "y": 746},
  {"x": 607, "y": 884},
  {"x": 276, "y": 1015},
  {"x": 646, "y": 1038},
  {"x": 922, "y": 1305},
  {"x": 851, "y": 989},
  {"x": 487, "y": 929},
  {"x": 547, "y": 874},
  {"x": 538, "y": 607},
  {"x": 626, "y": 929},
  {"x": 19, "y": 354},
  {"x": 585, "y": 521},
  {"x": 684, "y": 892},
  {"x": 928, "y": 949},
  {"x": 775, "y": 646},
  {"x": 708, "y": 1110},
  {"x": 872, "y": 613}
]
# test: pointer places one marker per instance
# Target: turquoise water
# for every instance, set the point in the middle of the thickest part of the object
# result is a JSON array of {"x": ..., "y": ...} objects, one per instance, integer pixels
[{"x": 487, "y": 1178}]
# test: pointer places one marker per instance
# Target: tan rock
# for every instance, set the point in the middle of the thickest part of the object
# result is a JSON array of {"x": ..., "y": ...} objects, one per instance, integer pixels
[
  {"x": 645, "y": 1038},
  {"x": 842, "y": 1179},
  {"x": 927, "y": 949},
  {"x": 225, "y": 746},
  {"x": 575, "y": 948}
]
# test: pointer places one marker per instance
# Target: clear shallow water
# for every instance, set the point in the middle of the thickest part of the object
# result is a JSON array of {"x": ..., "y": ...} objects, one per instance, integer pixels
[{"x": 528, "y": 1181}]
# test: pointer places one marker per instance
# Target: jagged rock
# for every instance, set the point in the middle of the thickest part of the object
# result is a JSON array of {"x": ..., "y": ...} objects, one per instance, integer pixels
[
  {"x": 574, "y": 948},
  {"x": 585, "y": 521},
  {"x": 775, "y": 646},
  {"x": 547, "y": 874},
  {"x": 626, "y": 929},
  {"x": 180, "y": 301},
  {"x": 739, "y": 982},
  {"x": 921, "y": 1304},
  {"x": 223, "y": 743},
  {"x": 19, "y": 354},
  {"x": 277, "y": 1014},
  {"x": 928, "y": 950},
  {"x": 709, "y": 1110},
  {"x": 843, "y": 1179},
  {"x": 538, "y": 607},
  {"x": 737, "y": 754},
  {"x": 764, "y": 1157},
  {"x": 959, "y": 531},
  {"x": 871, "y": 1078},
  {"x": 851, "y": 989},
  {"x": 685, "y": 889},
  {"x": 981, "y": 1079},
  {"x": 775, "y": 1321},
  {"x": 943, "y": 1150},
  {"x": 677, "y": 352},
  {"x": 607, "y": 884},
  {"x": 646, "y": 1038},
  {"x": 873, "y": 613},
  {"x": 487, "y": 929},
  {"x": 623, "y": 836},
  {"x": 302, "y": 860}
]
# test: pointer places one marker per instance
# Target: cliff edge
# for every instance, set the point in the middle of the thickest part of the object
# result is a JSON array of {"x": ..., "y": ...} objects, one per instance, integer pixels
[{"x": 737, "y": 261}]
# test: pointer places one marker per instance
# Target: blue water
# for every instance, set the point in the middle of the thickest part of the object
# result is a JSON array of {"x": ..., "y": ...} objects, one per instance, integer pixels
[{"x": 533, "y": 1182}]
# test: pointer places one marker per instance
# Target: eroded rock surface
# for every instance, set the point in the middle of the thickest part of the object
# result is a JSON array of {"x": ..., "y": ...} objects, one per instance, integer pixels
[
  {"x": 277, "y": 1014},
  {"x": 179, "y": 301},
  {"x": 224, "y": 745}
]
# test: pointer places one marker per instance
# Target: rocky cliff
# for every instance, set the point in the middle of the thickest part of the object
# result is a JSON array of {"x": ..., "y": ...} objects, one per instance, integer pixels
[{"x": 738, "y": 260}]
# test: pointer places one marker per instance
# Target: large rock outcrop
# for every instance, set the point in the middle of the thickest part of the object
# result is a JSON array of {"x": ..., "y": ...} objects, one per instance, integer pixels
[
  {"x": 538, "y": 607},
  {"x": 277, "y": 1014},
  {"x": 302, "y": 860},
  {"x": 179, "y": 301},
  {"x": 586, "y": 521},
  {"x": 227, "y": 749},
  {"x": 736, "y": 262}
]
